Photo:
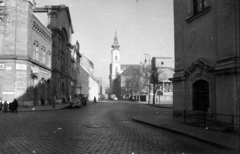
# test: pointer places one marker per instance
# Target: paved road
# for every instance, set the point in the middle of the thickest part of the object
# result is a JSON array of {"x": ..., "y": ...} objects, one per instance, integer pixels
[{"x": 104, "y": 128}]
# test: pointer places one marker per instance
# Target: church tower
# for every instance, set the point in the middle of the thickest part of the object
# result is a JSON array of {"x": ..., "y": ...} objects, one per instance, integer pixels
[{"x": 115, "y": 65}]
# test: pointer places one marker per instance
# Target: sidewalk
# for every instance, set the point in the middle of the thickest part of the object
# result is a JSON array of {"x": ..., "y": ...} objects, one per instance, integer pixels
[
  {"x": 162, "y": 105},
  {"x": 226, "y": 140},
  {"x": 41, "y": 108}
]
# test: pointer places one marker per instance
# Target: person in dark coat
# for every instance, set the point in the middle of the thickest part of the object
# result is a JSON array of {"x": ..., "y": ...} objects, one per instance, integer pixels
[
  {"x": 11, "y": 107},
  {"x": 5, "y": 106},
  {"x": 54, "y": 101},
  {"x": 1, "y": 106},
  {"x": 15, "y": 105},
  {"x": 94, "y": 100},
  {"x": 42, "y": 101}
]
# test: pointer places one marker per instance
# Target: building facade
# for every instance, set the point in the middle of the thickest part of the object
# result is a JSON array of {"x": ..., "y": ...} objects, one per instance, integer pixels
[
  {"x": 115, "y": 66},
  {"x": 207, "y": 60},
  {"x": 61, "y": 28},
  {"x": 89, "y": 83},
  {"x": 25, "y": 48},
  {"x": 165, "y": 66},
  {"x": 36, "y": 60}
]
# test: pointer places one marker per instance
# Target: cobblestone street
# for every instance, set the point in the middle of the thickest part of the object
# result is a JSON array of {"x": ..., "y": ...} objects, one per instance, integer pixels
[{"x": 104, "y": 127}]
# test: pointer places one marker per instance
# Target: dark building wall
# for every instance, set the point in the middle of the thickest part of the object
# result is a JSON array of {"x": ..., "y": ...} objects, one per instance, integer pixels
[
  {"x": 207, "y": 48},
  {"x": 61, "y": 28}
]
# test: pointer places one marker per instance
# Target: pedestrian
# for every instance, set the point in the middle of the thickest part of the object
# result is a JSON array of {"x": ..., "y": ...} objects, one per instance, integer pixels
[
  {"x": 5, "y": 106},
  {"x": 94, "y": 100},
  {"x": 42, "y": 101},
  {"x": 10, "y": 106},
  {"x": 15, "y": 105},
  {"x": 64, "y": 100},
  {"x": 54, "y": 101},
  {"x": 1, "y": 107},
  {"x": 50, "y": 100}
]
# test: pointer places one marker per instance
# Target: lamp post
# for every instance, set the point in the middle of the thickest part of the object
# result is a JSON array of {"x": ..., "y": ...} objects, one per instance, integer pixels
[
  {"x": 80, "y": 88},
  {"x": 149, "y": 88}
]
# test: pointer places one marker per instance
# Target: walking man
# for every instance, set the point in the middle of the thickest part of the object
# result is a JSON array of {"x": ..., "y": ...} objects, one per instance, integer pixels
[
  {"x": 5, "y": 106},
  {"x": 15, "y": 105}
]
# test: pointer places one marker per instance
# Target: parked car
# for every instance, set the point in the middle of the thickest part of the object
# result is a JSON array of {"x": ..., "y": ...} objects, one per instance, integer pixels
[
  {"x": 75, "y": 102},
  {"x": 84, "y": 98}
]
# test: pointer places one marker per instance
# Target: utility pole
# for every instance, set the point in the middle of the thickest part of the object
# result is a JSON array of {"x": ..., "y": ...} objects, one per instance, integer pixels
[{"x": 149, "y": 88}]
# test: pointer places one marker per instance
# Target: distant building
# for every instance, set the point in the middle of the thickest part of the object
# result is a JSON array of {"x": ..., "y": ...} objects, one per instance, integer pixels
[
  {"x": 122, "y": 89},
  {"x": 115, "y": 66},
  {"x": 207, "y": 65},
  {"x": 165, "y": 65},
  {"x": 89, "y": 83}
]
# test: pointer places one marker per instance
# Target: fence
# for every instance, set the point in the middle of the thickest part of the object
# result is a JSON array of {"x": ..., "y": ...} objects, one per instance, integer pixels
[{"x": 205, "y": 119}]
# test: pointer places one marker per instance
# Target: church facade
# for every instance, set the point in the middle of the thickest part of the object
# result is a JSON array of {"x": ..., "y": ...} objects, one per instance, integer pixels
[
  {"x": 207, "y": 64},
  {"x": 115, "y": 66}
]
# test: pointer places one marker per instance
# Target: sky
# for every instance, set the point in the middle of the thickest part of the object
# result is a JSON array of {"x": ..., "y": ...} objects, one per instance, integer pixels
[{"x": 143, "y": 26}]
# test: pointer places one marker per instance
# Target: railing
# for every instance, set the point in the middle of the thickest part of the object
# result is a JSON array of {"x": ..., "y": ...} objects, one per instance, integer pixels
[{"x": 207, "y": 119}]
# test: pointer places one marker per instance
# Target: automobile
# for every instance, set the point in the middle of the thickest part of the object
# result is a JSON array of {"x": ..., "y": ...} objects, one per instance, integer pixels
[
  {"x": 75, "y": 102},
  {"x": 115, "y": 98},
  {"x": 84, "y": 99}
]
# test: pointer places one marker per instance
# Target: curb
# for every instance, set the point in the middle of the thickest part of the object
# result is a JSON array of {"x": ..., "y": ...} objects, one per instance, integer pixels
[
  {"x": 159, "y": 106},
  {"x": 186, "y": 134},
  {"x": 41, "y": 110}
]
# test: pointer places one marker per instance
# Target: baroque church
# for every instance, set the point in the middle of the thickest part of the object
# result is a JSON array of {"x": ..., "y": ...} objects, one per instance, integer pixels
[
  {"x": 119, "y": 73},
  {"x": 115, "y": 65}
]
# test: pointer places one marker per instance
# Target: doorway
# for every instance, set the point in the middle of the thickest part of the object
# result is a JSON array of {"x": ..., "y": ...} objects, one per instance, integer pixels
[{"x": 201, "y": 95}]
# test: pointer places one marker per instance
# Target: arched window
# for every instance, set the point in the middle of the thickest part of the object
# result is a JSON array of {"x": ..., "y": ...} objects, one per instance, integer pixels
[
  {"x": 116, "y": 69},
  {"x": 116, "y": 58},
  {"x": 35, "y": 50},
  {"x": 50, "y": 59},
  {"x": 42, "y": 55}
]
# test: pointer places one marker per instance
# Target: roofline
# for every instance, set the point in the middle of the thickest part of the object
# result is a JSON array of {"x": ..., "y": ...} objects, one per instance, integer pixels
[
  {"x": 162, "y": 58},
  {"x": 46, "y": 8}
]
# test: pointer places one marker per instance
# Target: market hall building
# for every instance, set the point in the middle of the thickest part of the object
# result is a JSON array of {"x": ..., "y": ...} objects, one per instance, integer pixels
[{"x": 35, "y": 60}]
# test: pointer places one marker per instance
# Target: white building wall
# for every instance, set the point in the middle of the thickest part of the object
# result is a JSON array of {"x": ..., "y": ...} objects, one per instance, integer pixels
[{"x": 88, "y": 84}]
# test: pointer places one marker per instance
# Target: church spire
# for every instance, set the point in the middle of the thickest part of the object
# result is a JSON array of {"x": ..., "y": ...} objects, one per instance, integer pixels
[{"x": 115, "y": 43}]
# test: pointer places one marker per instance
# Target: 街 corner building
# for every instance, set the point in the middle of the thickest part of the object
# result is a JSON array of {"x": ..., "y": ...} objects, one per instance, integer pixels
[
  {"x": 36, "y": 60},
  {"x": 207, "y": 61}
]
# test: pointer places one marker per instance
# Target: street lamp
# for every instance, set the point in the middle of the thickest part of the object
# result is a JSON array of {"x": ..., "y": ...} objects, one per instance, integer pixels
[
  {"x": 149, "y": 90},
  {"x": 80, "y": 88}
]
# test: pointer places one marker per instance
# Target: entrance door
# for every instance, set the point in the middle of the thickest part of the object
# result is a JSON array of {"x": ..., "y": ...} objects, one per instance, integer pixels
[{"x": 201, "y": 95}]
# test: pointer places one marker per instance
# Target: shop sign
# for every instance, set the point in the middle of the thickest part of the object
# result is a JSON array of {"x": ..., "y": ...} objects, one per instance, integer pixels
[
  {"x": 35, "y": 70},
  {"x": 21, "y": 67},
  {"x": 1, "y": 66},
  {"x": 8, "y": 68},
  {"x": 8, "y": 93}
]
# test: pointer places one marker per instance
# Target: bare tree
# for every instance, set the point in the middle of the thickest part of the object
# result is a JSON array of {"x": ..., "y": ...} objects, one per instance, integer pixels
[
  {"x": 34, "y": 76},
  {"x": 136, "y": 80},
  {"x": 156, "y": 77}
]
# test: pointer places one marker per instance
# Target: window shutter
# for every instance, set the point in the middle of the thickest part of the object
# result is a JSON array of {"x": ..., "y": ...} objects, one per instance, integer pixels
[{"x": 190, "y": 8}]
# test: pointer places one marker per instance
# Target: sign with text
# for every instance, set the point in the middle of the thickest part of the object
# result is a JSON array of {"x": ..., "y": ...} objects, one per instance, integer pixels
[
  {"x": 21, "y": 67},
  {"x": 1, "y": 66}
]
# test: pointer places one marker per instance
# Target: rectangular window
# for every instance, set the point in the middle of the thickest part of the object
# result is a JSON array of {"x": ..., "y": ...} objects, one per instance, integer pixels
[{"x": 200, "y": 5}]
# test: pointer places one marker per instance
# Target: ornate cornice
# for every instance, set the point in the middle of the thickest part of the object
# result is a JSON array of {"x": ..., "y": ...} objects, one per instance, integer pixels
[
  {"x": 200, "y": 63},
  {"x": 38, "y": 29}
]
